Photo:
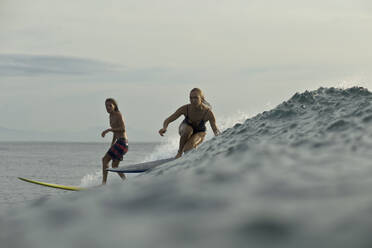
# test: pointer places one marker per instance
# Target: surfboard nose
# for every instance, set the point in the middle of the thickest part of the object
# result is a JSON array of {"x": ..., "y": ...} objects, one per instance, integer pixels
[{"x": 51, "y": 185}]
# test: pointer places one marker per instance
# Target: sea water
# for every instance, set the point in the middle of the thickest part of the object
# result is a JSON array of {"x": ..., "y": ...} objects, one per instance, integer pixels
[
  {"x": 299, "y": 175},
  {"x": 73, "y": 164}
]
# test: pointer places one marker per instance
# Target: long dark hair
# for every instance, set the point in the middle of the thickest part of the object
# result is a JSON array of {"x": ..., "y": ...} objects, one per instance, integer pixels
[
  {"x": 200, "y": 92},
  {"x": 112, "y": 100}
]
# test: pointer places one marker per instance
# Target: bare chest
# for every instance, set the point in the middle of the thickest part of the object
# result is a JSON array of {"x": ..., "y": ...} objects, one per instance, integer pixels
[
  {"x": 196, "y": 116},
  {"x": 114, "y": 121}
]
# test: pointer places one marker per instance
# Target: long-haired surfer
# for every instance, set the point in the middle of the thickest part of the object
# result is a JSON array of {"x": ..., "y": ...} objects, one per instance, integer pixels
[
  {"x": 119, "y": 144},
  {"x": 192, "y": 130}
]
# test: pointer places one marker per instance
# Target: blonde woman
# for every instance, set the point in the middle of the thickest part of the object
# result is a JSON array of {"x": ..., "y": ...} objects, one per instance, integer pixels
[{"x": 192, "y": 130}]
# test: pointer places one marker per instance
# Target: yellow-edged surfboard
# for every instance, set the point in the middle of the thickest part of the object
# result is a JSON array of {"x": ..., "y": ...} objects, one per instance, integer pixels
[{"x": 52, "y": 185}]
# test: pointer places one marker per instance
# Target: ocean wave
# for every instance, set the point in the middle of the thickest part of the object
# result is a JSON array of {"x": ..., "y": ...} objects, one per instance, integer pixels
[{"x": 298, "y": 175}]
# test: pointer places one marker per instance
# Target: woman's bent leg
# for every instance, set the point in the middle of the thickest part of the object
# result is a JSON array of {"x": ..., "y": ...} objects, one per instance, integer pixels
[
  {"x": 185, "y": 132},
  {"x": 194, "y": 141}
]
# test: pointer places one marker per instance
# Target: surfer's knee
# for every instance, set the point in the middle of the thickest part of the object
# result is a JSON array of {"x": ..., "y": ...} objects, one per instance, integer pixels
[
  {"x": 185, "y": 130},
  {"x": 200, "y": 138},
  {"x": 194, "y": 141}
]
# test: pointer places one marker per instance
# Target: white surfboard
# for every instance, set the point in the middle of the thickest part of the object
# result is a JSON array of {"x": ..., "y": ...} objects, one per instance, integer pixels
[{"x": 139, "y": 168}]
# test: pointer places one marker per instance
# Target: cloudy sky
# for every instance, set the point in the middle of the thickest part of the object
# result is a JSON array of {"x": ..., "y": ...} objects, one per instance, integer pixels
[{"x": 59, "y": 60}]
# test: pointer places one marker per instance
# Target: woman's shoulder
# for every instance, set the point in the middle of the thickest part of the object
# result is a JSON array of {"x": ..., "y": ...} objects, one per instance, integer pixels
[
  {"x": 207, "y": 108},
  {"x": 117, "y": 114},
  {"x": 208, "y": 112},
  {"x": 184, "y": 107}
]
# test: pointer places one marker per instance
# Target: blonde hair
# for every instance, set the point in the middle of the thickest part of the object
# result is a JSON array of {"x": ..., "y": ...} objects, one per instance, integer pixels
[{"x": 200, "y": 92}]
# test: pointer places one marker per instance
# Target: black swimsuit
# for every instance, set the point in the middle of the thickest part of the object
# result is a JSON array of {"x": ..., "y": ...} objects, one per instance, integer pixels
[{"x": 201, "y": 127}]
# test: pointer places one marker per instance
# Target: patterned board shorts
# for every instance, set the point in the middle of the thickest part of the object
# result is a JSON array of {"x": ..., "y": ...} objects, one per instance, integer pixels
[{"x": 118, "y": 149}]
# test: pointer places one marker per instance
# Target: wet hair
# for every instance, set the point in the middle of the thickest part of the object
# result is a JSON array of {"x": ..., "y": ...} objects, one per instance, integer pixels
[
  {"x": 112, "y": 100},
  {"x": 200, "y": 92}
]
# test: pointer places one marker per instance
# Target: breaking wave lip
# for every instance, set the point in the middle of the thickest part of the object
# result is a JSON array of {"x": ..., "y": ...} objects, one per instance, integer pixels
[{"x": 295, "y": 176}]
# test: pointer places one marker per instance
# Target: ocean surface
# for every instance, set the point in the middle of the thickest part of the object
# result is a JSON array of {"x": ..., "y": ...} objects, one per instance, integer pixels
[
  {"x": 298, "y": 175},
  {"x": 73, "y": 164}
]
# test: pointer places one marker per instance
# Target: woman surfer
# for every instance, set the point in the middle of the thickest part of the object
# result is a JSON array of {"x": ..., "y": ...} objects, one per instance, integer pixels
[{"x": 192, "y": 130}]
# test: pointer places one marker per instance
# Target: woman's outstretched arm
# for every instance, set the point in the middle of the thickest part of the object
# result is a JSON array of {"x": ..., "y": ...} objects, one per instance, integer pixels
[{"x": 172, "y": 118}]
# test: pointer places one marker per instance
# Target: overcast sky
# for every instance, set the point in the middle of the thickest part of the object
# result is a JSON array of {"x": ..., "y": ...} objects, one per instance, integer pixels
[{"x": 59, "y": 60}]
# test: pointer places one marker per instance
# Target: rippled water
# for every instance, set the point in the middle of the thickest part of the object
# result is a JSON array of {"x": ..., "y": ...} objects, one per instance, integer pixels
[
  {"x": 76, "y": 164},
  {"x": 298, "y": 175}
]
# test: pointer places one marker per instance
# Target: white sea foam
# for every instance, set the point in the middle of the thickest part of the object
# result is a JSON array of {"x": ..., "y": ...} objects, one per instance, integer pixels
[
  {"x": 91, "y": 179},
  {"x": 225, "y": 122},
  {"x": 167, "y": 149}
]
